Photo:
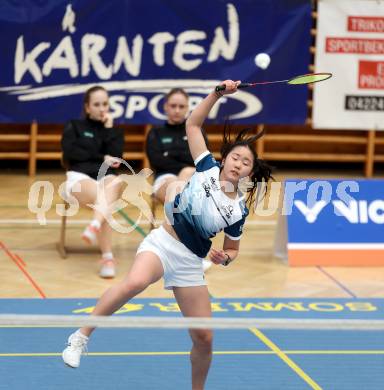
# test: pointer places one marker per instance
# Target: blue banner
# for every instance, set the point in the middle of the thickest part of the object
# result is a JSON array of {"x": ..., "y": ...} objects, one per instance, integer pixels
[
  {"x": 334, "y": 222},
  {"x": 52, "y": 51},
  {"x": 335, "y": 211}
]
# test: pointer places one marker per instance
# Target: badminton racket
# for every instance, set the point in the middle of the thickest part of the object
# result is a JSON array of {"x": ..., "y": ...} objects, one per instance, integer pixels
[{"x": 298, "y": 80}]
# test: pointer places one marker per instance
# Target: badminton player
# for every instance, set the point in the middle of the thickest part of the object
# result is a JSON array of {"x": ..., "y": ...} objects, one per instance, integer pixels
[{"x": 210, "y": 202}]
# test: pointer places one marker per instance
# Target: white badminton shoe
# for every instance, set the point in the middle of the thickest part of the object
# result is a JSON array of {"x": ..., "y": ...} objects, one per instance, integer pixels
[
  {"x": 207, "y": 264},
  {"x": 77, "y": 345}
]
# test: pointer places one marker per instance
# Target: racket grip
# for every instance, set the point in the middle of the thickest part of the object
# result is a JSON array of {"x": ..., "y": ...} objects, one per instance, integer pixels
[
  {"x": 219, "y": 88},
  {"x": 240, "y": 86}
]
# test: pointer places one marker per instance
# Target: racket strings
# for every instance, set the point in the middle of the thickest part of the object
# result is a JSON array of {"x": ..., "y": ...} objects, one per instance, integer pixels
[{"x": 309, "y": 78}]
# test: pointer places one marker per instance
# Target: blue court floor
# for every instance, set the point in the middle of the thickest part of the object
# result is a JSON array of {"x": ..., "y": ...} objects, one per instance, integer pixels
[{"x": 30, "y": 357}]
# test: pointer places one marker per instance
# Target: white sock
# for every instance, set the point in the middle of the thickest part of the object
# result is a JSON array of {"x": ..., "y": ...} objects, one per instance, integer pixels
[
  {"x": 96, "y": 224},
  {"x": 107, "y": 256},
  {"x": 81, "y": 335},
  {"x": 90, "y": 232}
]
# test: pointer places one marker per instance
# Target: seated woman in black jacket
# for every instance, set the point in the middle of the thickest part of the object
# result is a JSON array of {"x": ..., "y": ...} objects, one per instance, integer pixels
[{"x": 87, "y": 144}]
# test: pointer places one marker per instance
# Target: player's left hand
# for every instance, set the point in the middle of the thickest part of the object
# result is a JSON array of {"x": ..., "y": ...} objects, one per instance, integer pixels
[{"x": 217, "y": 256}]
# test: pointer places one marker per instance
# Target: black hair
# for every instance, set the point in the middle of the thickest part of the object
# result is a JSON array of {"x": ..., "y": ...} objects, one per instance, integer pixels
[
  {"x": 261, "y": 170},
  {"x": 87, "y": 96},
  {"x": 173, "y": 91}
]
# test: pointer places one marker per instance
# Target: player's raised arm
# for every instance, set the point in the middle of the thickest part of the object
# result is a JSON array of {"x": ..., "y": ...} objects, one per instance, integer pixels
[{"x": 197, "y": 117}]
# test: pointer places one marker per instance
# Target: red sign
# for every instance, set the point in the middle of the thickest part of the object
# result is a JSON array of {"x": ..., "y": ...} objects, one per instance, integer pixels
[
  {"x": 371, "y": 74},
  {"x": 366, "y": 24},
  {"x": 354, "y": 45}
]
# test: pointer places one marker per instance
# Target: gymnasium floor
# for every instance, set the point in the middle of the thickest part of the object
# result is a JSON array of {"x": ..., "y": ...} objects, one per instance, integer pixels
[
  {"x": 158, "y": 359},
  {"x": 34, "y": 279}
]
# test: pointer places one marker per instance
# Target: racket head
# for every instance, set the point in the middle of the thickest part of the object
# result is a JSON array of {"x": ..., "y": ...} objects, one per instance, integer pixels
[{"x": 309, "y": 78}]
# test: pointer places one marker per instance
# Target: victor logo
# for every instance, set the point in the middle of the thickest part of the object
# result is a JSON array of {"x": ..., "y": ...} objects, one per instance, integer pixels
[{"x": 355, "y": 211}]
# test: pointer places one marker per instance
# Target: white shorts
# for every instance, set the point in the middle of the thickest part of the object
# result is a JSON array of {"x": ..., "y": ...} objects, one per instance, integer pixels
[
  {"x": 182, "y": 268},
  {"x": 73, "y": 178},
  {"x": 159, "y": 181}
]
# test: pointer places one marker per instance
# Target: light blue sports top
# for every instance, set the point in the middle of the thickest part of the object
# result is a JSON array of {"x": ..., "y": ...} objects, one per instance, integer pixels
[{"x": 202, "y": 209}]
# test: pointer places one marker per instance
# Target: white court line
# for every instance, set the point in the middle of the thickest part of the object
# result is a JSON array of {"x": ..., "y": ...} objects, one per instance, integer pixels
[{"x": 21, "y": 221}]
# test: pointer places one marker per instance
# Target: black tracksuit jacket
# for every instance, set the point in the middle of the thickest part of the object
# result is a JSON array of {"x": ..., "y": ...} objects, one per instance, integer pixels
[
  {"x": 168, "y": 150},
  {"x": 85, "y": 142}
]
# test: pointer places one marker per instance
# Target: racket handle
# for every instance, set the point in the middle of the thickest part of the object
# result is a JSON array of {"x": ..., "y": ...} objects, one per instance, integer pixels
[
  {"x": 219, "y": 88},
  {"x": 240, "y": 86}
]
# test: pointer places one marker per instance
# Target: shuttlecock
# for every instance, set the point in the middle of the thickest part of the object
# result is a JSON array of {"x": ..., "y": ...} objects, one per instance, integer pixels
[{"x": 262, "y": 60}]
